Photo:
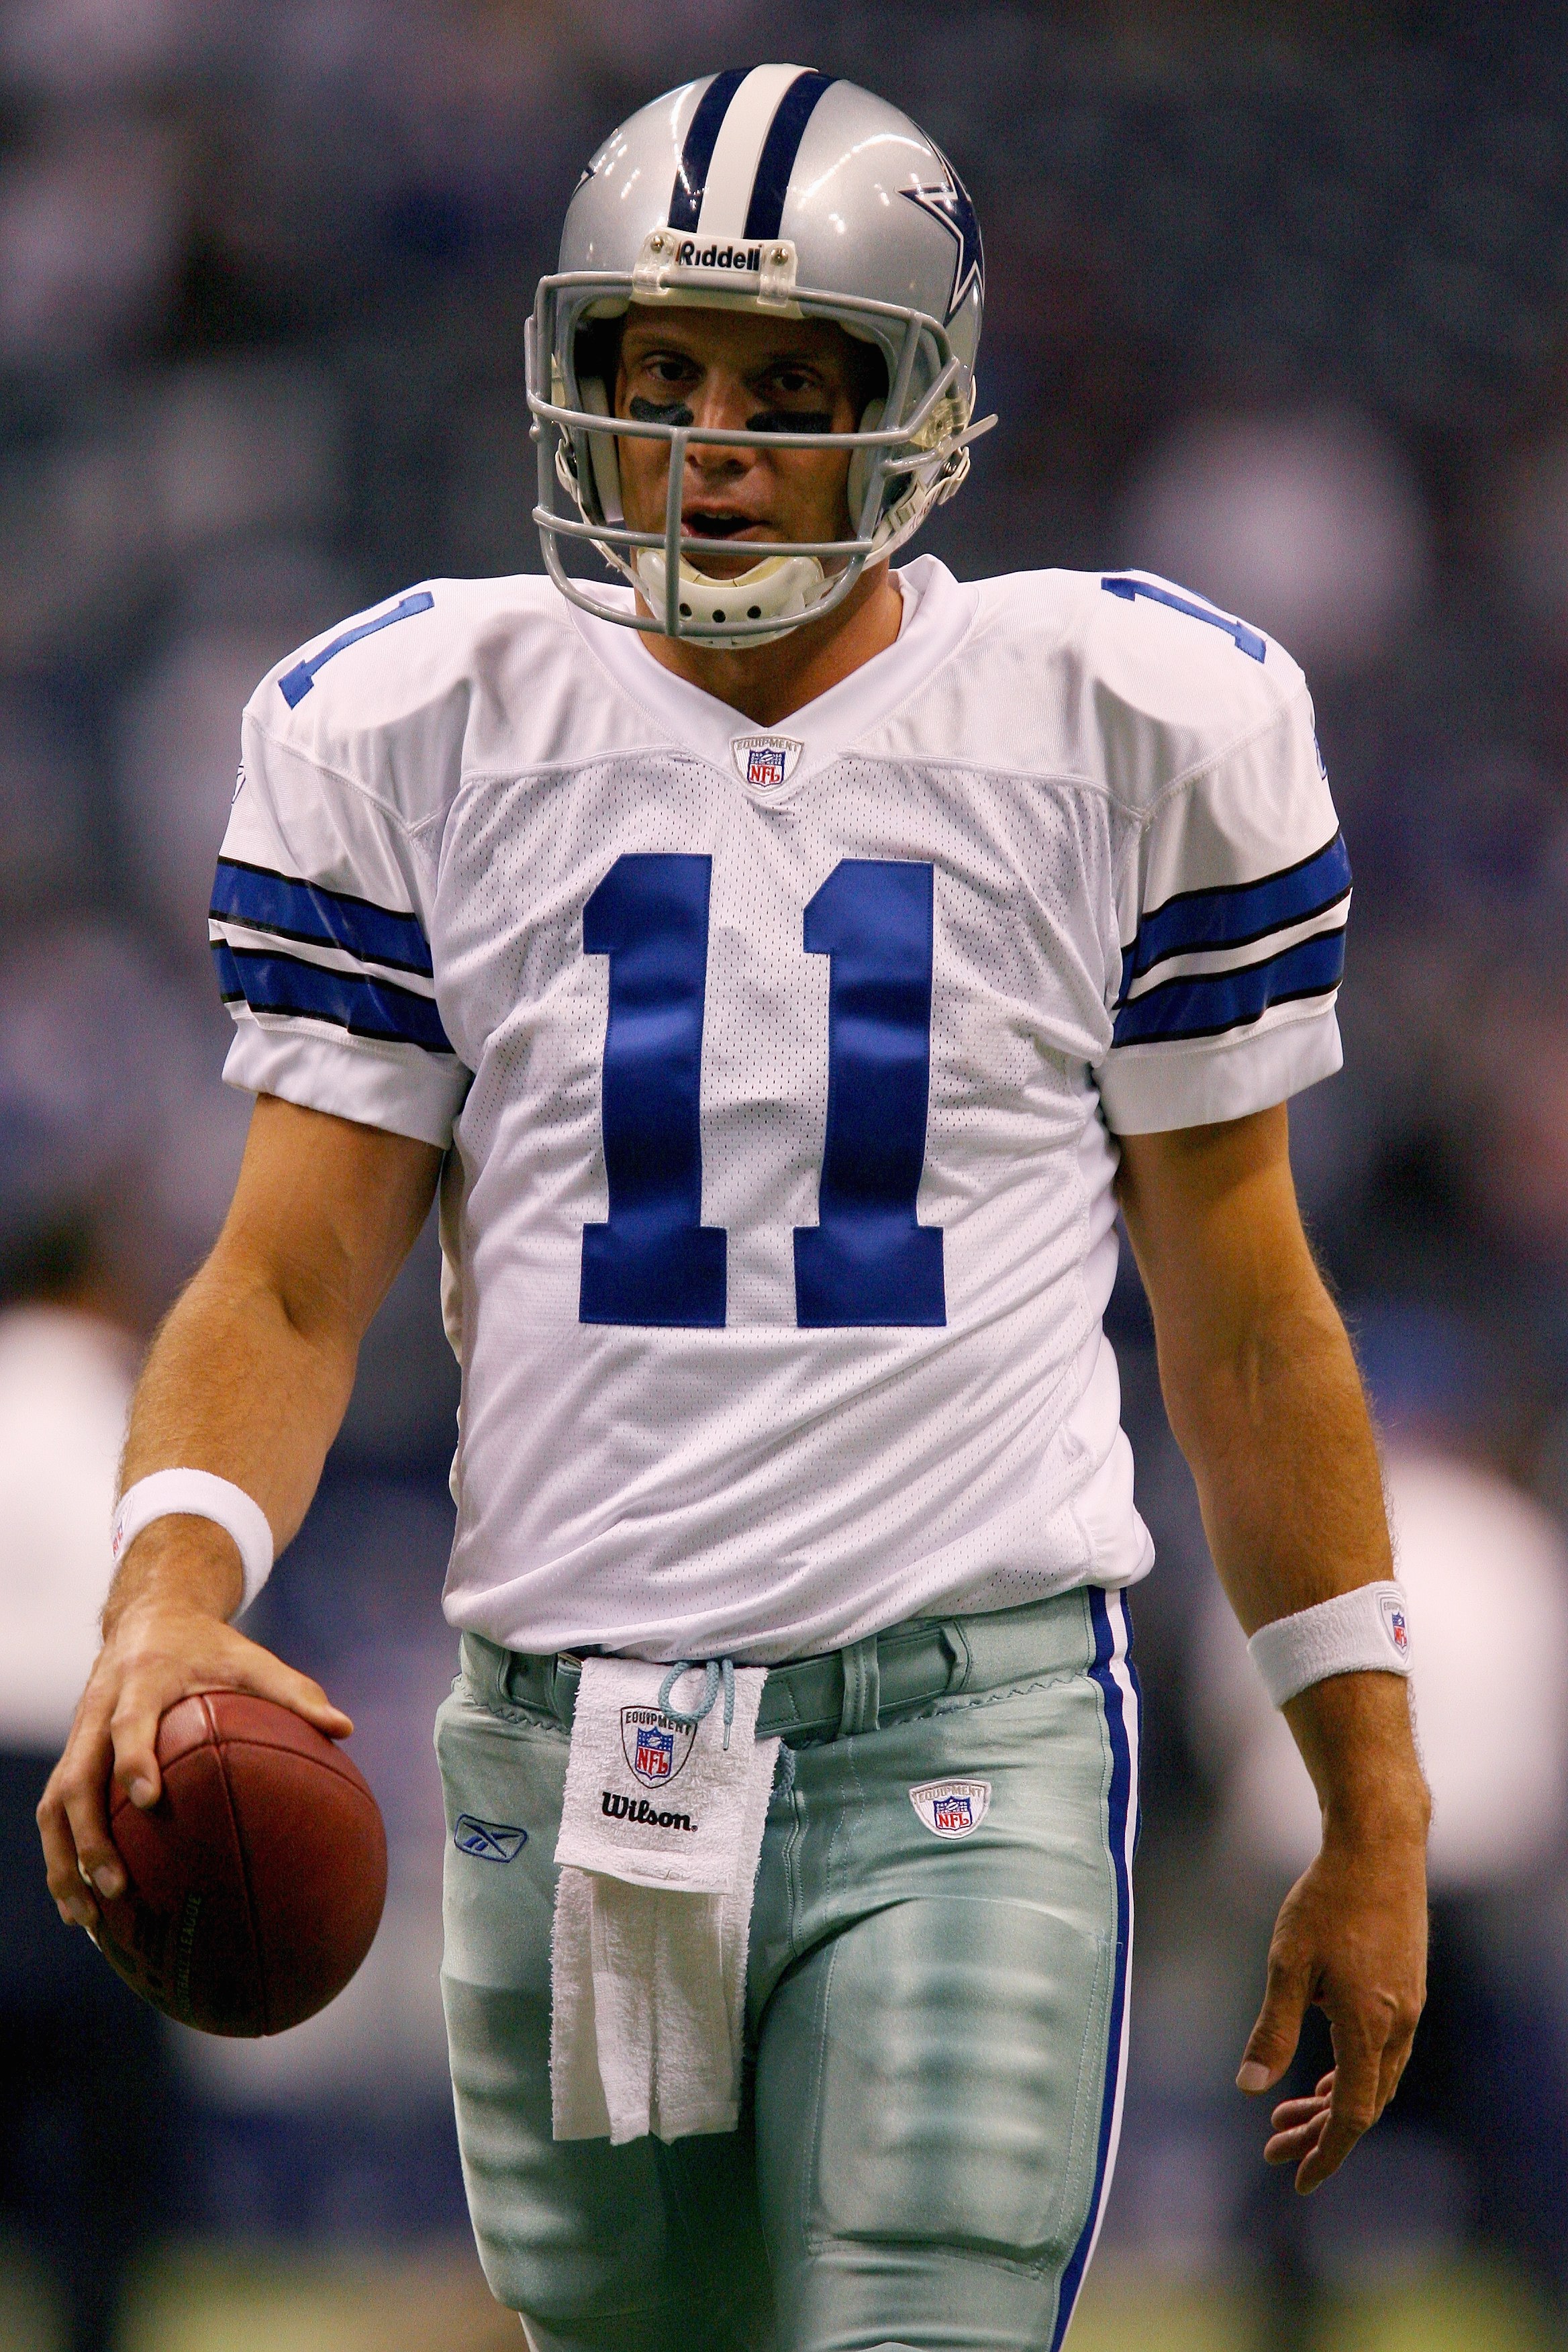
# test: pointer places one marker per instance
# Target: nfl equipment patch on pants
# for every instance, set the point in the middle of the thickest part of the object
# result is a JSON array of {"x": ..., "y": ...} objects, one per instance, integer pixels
[{"x": 937, "y": 2025}]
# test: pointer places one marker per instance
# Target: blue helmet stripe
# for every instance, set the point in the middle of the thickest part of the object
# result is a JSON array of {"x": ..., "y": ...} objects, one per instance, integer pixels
[
  {"x": 764, "y": 213},
  {"x": 692, "y": 180}
]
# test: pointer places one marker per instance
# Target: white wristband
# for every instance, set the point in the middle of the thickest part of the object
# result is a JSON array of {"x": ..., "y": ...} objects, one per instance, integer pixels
[
  {"x": 1363, "y": 1632},
  {"x": 199, "y": 1495}
]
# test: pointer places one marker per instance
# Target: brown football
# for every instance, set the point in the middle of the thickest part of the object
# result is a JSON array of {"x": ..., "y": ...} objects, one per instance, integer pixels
[{"x": 256, "y": 1880}]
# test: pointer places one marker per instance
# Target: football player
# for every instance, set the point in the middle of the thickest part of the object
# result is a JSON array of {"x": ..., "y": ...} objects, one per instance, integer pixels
[{"x": 785, "y": 964}]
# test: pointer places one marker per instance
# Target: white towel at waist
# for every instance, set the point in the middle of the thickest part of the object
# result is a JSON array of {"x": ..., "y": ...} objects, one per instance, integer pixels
[{"x": 661, "y": 1831}]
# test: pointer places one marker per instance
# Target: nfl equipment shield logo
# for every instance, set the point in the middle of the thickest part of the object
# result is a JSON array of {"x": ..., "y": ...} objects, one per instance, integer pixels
[
  {"x": 654, "y": 1746},
  {"x": 767, "y": 763},
  {"x": 1395, "y": 1622},
  {"x": 952, "y": 1809}
]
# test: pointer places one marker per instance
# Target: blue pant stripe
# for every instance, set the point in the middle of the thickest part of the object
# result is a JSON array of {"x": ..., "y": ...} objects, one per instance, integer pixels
[{"x": 1112, "y": 1628}]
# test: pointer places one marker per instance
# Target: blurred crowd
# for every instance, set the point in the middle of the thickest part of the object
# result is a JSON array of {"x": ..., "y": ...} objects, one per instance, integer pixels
[{"x": 1277, "y": 306}]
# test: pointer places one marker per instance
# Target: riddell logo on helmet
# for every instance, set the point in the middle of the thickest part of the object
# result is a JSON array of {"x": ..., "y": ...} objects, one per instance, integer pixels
[{"x": 719, "y": 257}]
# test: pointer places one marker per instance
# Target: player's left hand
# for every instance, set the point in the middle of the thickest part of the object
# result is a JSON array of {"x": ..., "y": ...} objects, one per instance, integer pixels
[{"x": 1350, "y": 1938}]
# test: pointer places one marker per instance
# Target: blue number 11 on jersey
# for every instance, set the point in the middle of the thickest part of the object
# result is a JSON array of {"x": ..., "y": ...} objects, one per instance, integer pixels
[{"x": 867, "y": 1260}]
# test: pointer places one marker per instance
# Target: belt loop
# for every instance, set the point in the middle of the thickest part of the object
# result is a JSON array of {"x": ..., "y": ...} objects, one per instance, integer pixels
[
  {"x": 862, "y": 1704},
  {"x": 500, "y": 1663},
  {"x": 960, "y": 1657},
  {"x": 565, "y": 1673}
]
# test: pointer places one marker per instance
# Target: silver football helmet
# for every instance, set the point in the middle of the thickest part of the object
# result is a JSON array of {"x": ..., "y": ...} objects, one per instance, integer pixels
[{"x": 796, "y": 195}]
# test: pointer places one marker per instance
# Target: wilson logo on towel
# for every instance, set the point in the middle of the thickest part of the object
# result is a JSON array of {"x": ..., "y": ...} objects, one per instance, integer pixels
[
  {"x": 616, "y": 1808},
  {"x": 952, "y": 1809},
  {"x": 654, "y": 1745}
]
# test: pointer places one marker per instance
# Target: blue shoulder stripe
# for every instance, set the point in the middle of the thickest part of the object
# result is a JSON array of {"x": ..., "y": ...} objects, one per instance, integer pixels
[
  {"x": 365, "y": 1008},
  {"x": 1214, "y": 1001},
  {"x": 1234, "y": 914},
  {"x": 295, "y": 683},
  {"x": 265, "y": 900}
]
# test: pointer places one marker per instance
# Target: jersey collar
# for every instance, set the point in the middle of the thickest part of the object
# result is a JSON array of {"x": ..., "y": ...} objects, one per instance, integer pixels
[{"x": 943, "y": 608}]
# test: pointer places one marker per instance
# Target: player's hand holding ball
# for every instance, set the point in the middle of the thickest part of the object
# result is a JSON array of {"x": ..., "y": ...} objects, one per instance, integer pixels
[{"x": 242, "y": 1880}]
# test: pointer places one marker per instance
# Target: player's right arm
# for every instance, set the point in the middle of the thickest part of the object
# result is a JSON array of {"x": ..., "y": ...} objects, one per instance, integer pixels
[{"x": 249, "y": 1378}]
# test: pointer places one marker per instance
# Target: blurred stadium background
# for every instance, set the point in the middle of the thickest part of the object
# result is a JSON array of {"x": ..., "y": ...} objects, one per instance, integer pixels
[{"x": 1279, "y": 305}]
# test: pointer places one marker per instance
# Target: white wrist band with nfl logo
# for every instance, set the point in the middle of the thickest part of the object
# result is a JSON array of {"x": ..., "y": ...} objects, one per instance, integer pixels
[
  {"x": 200, "y": 1494},
  {"x": 1363, "y": 1632}
]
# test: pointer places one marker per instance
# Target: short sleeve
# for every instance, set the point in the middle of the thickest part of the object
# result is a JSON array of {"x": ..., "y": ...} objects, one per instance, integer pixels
[
  {"x": 1232, "y": 911},
  {"x": 320, "y": 932}
]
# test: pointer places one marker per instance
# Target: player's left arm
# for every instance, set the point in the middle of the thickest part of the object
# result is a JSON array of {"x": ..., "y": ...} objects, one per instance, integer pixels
[{"x": 1265, "y": 1403}]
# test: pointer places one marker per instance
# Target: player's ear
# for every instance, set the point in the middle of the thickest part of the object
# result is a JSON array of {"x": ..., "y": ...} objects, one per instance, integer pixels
[
  {"x": 864, "y": 372},
  {"x": 599, "y": 361}
]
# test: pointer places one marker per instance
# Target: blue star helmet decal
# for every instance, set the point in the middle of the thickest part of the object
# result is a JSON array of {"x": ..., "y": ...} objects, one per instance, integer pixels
[{"x": 952, "y": 207}]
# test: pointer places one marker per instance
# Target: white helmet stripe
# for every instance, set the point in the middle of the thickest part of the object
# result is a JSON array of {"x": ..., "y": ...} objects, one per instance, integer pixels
[{"x": 738, "y": 150}]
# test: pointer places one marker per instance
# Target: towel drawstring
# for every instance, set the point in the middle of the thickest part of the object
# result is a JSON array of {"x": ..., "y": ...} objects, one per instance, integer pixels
[{"x": 715, "y": 1671}]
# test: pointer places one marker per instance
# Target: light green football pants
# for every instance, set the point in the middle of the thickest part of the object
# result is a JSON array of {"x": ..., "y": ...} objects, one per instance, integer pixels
[{"x": 936, "y": 2026}]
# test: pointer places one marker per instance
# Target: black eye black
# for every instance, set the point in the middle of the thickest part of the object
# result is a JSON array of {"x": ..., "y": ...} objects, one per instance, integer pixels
[
  {"x": 791, "y": 420},
  {"x": 659, "y": 412}
]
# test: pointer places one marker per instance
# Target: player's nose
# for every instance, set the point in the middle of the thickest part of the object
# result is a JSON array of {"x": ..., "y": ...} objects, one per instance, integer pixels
[{"x": 721, "y": 402}]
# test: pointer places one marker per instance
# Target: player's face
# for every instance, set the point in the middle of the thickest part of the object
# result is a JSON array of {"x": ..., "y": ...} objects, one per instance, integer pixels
[{"x": 724, "y": 368}]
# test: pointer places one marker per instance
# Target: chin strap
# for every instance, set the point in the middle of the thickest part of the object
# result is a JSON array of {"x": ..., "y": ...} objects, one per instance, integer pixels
[{"x": 780, "y": 588}]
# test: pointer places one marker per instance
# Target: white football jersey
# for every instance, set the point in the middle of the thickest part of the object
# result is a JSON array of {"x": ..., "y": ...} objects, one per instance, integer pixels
[{"x": 780, "y": 1068}]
